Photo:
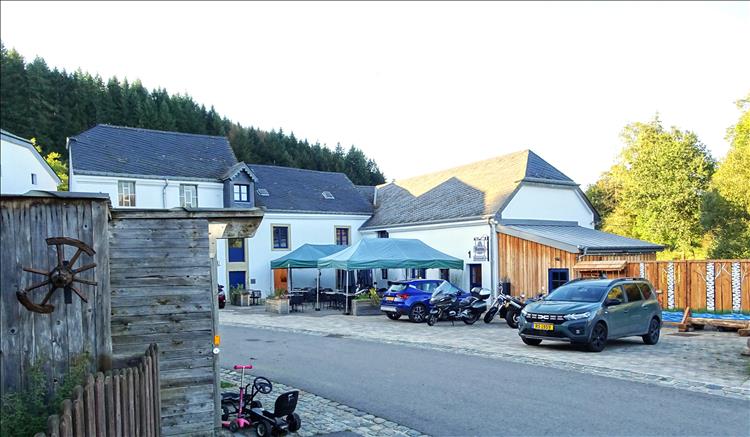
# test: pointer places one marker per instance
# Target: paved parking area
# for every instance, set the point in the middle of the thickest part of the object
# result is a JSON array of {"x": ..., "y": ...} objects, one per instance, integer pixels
[{"x": 707, "y": 361}]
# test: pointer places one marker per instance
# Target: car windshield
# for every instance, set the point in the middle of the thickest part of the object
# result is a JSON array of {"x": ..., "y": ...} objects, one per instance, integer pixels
[
  {"x": 577, "y": 292},
  {"x": 445, "y": 288}
]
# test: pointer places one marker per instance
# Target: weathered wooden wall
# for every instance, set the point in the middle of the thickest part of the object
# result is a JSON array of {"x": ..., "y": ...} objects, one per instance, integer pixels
[
  {"x": 689, "y": 283},
  {"x": 161, "y": 293},
  {"x": 526, "y": 263},
  {"x": 51, "y": 340}
]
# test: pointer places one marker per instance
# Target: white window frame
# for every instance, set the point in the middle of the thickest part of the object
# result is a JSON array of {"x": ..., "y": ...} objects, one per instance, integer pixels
[
  {"x": 188, "y": 196},
  {"x": 238, "y": 191},
  {"x": 129, "y": 192}
]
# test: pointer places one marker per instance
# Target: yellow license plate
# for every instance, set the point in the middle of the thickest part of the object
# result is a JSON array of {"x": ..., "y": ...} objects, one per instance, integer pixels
[
  {"x": 544, "y": 326},
  {"x": 389, "y": 298}
]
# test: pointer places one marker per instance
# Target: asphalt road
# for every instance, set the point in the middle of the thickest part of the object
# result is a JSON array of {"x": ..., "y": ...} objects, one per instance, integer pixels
[{"x": 446, "y": 394}]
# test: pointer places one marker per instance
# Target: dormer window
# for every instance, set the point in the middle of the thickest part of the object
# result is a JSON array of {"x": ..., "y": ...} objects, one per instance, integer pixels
[
  {"x": 262, "y": 192},
  {"x": 241, "y": 193},
  {"x": 328, "y": 195}
]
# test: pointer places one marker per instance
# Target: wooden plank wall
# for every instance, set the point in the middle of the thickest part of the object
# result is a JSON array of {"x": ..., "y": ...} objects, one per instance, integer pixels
[
  {"x": 161, "y": 293},
  {"x": 526, "y": 263},
  {"x": 690, "y": 282},
  {"x": 51, "y": 340}
]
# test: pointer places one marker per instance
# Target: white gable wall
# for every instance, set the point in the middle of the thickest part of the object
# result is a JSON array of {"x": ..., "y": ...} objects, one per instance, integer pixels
[
  {"x": 150, "y": 193},
  {"x": 536, "y": 202},
  {"x": 17, "y": 163}
]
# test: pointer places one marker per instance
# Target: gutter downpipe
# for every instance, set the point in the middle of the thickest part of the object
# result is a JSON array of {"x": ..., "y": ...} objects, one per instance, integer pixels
[
  {"x": 494, "y": 264},
  {"x": 164, "y": 194}
]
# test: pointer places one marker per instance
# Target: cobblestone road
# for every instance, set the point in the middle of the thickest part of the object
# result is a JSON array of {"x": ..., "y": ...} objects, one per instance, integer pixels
[{"x": 706, "y": 361}]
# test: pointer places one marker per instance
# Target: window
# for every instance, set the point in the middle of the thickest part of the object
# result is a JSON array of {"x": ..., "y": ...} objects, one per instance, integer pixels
[
  {"x": 557, "y": 277},
  {"x": 428, "y": 286},
  {"x": 382, "y": 234},
  {"x": 384, "y": 273},
  {"x": 241, "y": 192},
  {"x": 33, "y": 178},
  {"x": 445, "y": 274},
  {"x": 262, "y": 192},
  {"x": 280, "y": 237},
  {"x": 633, "y": 293},
  {"x": 418, "y": 273},
  {"x": 189, "y": 196},
  {"x": 616, "y": 293},
  {"x": 236, "y": 250},
  {"x": 645, "y": 290},
  {"x": 342, "y": 236},
  {"x": 126, "y": 193},
  {"x": 577, "y": 292},
  {"x": 328, "y": 195}
]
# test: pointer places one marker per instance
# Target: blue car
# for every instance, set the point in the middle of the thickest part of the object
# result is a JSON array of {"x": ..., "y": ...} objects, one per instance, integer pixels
[{"x": 412, "y": 298}]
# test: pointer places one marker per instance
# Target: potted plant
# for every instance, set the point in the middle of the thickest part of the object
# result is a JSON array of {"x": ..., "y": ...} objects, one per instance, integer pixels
[
  {"x": 366, "y": 304},
  {"x": 234, "y": 295},
  {"x": 279, "y": 303}
]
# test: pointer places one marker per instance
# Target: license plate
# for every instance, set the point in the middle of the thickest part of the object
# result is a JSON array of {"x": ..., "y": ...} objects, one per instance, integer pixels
[
  {"x": 389, "y": 298},
  {"x": 544, "y": 326},
  {"x": 388, "y": 309}
]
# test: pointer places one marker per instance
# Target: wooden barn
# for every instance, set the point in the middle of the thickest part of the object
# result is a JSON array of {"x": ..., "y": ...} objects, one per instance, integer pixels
[{"x": 537, "y": 256}]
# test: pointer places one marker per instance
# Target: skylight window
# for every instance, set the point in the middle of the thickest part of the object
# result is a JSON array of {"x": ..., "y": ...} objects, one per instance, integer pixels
[
  {"x": 262, "y": 192},
  {"x": 328, "y": 195}
]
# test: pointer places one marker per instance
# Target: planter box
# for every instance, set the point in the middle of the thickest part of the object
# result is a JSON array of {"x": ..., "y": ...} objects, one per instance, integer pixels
[
  {"x": 278, "y": 306},
  {"x": 365, "y": 308},
  {"x": 242, "y": 300}
]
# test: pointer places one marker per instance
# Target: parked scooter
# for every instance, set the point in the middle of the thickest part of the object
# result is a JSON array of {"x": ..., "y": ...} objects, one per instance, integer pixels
[{"x": 447, "y": 304}]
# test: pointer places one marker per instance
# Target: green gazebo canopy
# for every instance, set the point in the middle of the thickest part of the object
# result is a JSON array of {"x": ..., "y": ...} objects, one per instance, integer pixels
[
  {"x": 306, "y": 256},
  {"x": 390, "y": 253}
]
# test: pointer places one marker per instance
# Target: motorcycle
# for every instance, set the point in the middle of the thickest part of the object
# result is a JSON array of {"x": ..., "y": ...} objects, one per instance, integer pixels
[
  {"x": 222, "y": 297},
  {"x": 447, "y": 304},
  {"x": 508, "y": 307}
]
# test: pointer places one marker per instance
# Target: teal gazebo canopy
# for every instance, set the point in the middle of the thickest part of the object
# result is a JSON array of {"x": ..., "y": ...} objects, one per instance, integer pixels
[
  {"x": 390, "y": 253},
  {"x": 306, "y": 256}
]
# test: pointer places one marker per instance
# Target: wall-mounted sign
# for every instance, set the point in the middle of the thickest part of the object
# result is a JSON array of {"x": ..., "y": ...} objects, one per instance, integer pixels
[{"x": 480, "y": 248}]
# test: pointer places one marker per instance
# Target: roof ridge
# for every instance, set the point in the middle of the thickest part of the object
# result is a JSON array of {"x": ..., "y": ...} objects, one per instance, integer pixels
[
  {"x": 302, "y": 169},
  {"x": 158, "y": 131}
]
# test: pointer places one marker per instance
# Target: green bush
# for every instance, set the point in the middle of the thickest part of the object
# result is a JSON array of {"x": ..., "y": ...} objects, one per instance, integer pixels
[{"x": 24, "y": 413}]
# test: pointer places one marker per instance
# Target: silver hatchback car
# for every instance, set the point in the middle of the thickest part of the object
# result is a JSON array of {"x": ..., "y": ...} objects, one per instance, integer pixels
[{"x": 592, "y": 311}]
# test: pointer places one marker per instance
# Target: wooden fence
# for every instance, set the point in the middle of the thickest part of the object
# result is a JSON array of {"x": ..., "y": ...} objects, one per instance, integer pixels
[
  {"x": 713, "y": 285},
  {"x": 118, "y": 403}
]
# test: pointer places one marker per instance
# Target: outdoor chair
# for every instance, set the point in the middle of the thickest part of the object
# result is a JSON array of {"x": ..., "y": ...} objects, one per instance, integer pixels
[
  {"x": 255, "y": 297},
  {"x": 296, "y": 302}
]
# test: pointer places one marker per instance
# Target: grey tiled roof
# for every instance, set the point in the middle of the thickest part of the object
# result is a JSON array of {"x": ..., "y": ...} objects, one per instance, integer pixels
[
  {"x": 474, "y": 190},
  {"x": 577, "y": 236},
  {"x": 368, "y": 192},
  {"x": 106, "y": 149},
  {"x": 294, "y": 189}
]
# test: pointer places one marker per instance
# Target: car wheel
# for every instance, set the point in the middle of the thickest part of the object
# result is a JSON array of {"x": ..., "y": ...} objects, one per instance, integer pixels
[
  {"x": 261, "y": 429},
  {"x": 512, "y": 319},
  {"x": 490, "y": 315},
  {"x": 393, "y": 316},
  {"x": 531, "y": 341},
  {"x": 473, "y": 318},
  {"x": 432, "y": 319},
  {"x": 294, "y": 422},
  {"x": 598, "y": 338},
  {"x": 652, "y": 337},
  {"x": 417, "y": 313}
]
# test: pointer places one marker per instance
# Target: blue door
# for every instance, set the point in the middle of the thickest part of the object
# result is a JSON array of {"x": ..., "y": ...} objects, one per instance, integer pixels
[
  {"x": 556, "y": 278},
  {"x": 237, "y": 279}
]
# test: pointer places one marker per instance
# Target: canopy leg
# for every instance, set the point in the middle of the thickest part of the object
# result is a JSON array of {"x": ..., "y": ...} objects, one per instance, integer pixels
[
  {"x": 346, "y": 295},
  {"x": 317, "y": 292}
]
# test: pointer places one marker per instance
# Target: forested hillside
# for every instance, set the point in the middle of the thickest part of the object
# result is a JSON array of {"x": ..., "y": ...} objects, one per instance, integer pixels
[{"x": 50, "y": 105}]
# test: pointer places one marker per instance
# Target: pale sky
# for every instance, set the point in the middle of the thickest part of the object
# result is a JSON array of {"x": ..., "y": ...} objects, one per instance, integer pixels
[{"x": 422, "y": 86}]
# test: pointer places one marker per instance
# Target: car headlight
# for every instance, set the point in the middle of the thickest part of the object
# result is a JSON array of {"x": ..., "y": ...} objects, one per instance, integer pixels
[
  {"x": 578, "y": 316},
  {"x": 524, "y": 312}
]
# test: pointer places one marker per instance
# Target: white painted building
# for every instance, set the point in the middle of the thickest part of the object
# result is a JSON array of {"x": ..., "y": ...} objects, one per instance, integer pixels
[
  {"x": 464, "y": 211},
  {"x": 22, "y": 168}
]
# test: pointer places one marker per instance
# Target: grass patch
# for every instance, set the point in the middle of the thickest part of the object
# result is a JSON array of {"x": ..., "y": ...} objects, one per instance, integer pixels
[{"x": 225, "y": 384}]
